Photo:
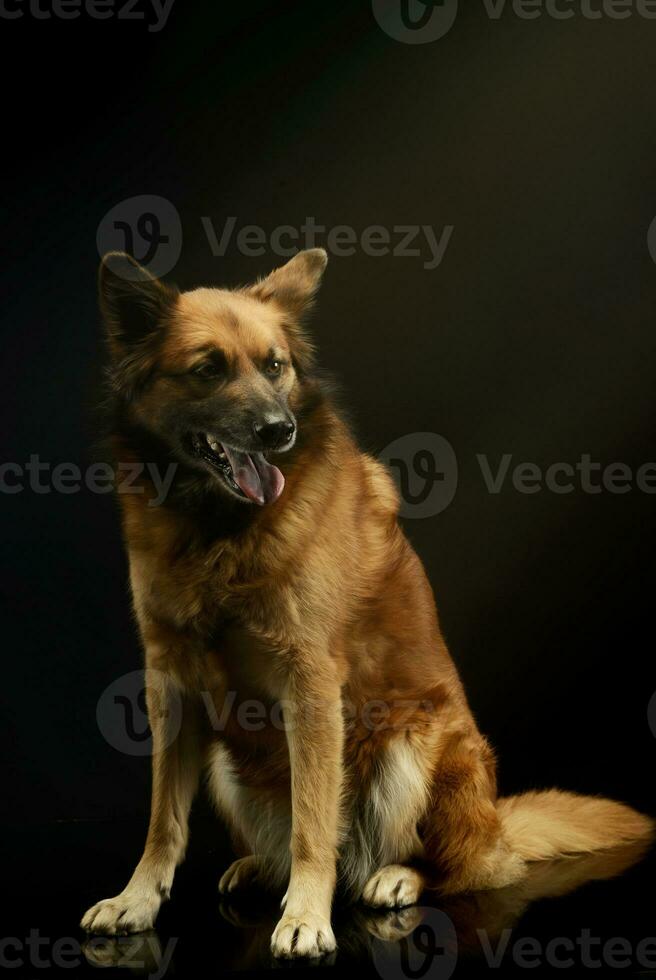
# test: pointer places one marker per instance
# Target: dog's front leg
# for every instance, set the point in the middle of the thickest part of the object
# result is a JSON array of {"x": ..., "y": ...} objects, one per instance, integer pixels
[
  {"x": 176, "y": 762},
  {"x": 314, "y": 728}
]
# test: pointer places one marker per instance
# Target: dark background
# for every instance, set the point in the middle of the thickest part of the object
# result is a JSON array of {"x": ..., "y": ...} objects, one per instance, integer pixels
[{"x": 537, "y": 141}]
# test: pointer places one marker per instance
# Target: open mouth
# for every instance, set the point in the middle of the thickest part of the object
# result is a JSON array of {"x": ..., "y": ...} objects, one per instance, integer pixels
[{"x": 247, "y": 474}]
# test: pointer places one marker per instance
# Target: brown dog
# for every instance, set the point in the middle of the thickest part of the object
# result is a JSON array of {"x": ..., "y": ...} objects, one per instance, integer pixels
[{"x": 275, "y": 579}]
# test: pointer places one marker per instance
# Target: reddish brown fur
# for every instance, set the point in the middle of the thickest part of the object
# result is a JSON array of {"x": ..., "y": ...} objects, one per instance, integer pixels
[{"x": 320, "y": 600}]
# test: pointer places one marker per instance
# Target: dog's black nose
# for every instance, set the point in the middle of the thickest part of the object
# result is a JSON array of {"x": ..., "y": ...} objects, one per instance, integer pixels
[{"x": 275, "y": 435}]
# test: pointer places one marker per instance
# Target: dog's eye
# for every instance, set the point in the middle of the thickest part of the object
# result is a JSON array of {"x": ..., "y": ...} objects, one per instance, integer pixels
[
  {"x": 273, "y": 367},
  {"x": 206, "y": 370}
]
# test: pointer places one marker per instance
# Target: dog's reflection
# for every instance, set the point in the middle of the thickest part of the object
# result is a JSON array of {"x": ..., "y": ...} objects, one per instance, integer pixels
[
  {"x": 457, "y": 922},
  {"x": 142, "y": 954},
  {"x": 451, "y": 925}
]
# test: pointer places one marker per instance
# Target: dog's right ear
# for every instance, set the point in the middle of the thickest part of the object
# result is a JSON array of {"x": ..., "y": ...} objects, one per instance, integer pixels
[
  {"x": 294, "y": 285},
  {"x": 133, "y": 303}
]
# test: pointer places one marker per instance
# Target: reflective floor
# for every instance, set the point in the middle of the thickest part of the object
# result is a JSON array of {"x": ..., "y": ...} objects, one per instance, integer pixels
[{"x": 592, "y": 913}]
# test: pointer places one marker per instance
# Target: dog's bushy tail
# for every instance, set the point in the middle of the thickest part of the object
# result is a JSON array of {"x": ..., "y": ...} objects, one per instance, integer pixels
[{"x": 551, "y": 824}]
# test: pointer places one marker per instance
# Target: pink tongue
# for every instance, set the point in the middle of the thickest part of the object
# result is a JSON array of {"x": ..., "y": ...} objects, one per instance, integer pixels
[{"x": 257, "y": 478}]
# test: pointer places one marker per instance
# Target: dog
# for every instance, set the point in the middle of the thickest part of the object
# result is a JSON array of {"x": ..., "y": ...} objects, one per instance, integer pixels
[{"x": 276, "y": 573}]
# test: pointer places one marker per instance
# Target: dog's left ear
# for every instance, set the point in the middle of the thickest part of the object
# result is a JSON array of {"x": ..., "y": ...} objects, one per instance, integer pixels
[
  {"x": 294, "y": 285},
  {"x": 133, "y": 302}
]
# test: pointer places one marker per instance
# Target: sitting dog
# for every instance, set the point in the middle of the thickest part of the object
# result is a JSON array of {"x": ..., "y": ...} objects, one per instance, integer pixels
[{"x": 275, "y": 575}]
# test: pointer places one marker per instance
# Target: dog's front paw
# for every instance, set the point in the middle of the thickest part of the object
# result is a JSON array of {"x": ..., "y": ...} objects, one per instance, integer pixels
[
  {"x": 131, "y": 911},
  {"x": 308, "y": 935}
]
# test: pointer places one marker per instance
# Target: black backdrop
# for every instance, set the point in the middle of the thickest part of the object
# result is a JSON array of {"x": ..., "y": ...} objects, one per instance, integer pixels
[{"x": 535, "y": 336}]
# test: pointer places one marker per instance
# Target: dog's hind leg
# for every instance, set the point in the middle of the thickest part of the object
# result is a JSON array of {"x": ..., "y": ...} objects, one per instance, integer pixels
[
  {"x": 385, "y": 869},
  {"x": 461, "y": 833},
  {"x": 394, "y": 887},
  {"x": 176, "y": 764},
  {"x": 241, "y": 873}
]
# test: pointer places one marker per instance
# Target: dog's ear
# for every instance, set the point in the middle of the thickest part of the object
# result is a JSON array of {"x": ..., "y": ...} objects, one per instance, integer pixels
[
  {"x": 133, "y": 303},
  {"x": 294, "y": 285}
]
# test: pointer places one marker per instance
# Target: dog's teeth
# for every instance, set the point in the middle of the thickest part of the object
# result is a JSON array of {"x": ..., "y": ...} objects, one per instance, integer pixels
[{"x": 215, "y": 445}]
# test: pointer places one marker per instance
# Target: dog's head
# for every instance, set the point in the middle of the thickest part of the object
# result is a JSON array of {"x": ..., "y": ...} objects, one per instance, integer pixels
[{"x": 213, "y": 374}]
